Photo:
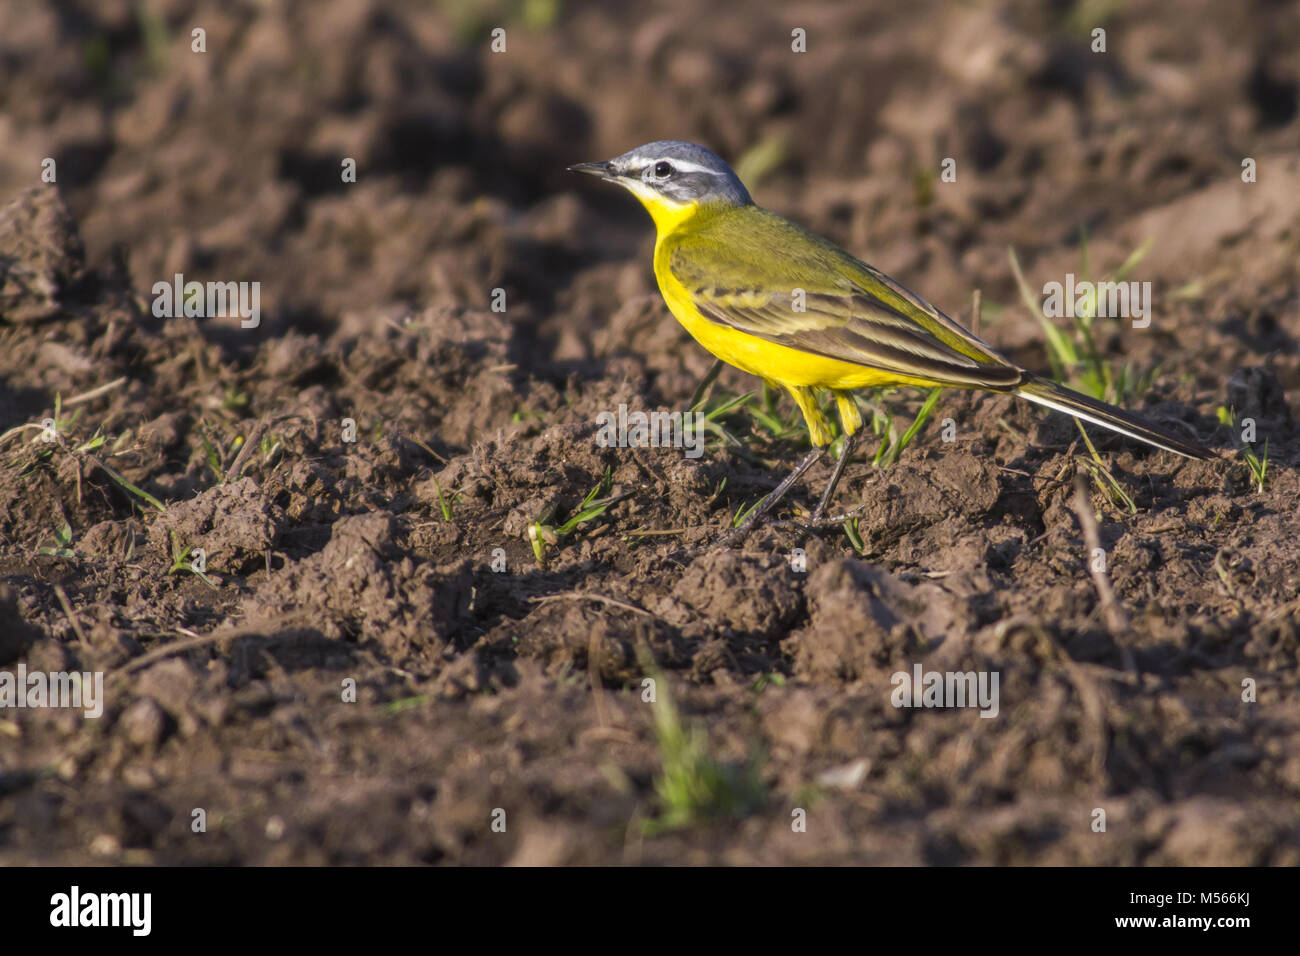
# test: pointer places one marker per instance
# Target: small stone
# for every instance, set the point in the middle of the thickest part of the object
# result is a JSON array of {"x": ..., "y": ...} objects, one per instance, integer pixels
[
  {"x": 105, "y": 845},
  {"x": 847, "y": 776},
  {"x": 144, "y": 723}
]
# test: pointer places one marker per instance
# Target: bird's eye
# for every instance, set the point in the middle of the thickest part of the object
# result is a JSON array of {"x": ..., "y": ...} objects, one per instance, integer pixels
[{"x": 663, "y": 170}]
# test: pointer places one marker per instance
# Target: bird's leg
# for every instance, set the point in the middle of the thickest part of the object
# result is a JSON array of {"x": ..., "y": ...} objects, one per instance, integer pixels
[
  {"x": 736, "y": 535},
  {"x": 851, "y": 425},
  {"x": 850, "y": 442}
]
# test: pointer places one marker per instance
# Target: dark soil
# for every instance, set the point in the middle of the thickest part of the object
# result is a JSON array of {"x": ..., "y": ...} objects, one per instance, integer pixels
[{"x": 488, "y": 687}]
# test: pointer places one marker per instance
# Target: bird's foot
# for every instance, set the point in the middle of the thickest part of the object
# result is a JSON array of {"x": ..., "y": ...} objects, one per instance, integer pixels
[
  {"x": 808, "y": 525},
  {"x": 819, "y": 520}
]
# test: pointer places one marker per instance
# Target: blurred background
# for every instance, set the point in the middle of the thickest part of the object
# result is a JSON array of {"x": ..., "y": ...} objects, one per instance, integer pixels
[{"x": 226, "y": 164}]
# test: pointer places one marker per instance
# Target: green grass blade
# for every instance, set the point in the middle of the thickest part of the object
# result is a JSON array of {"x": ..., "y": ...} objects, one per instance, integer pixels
[{"x": 1060, "y": 352}]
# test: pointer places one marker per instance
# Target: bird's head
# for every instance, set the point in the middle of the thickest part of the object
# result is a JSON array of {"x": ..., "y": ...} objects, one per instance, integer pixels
[{"x": 672, "y": 179}]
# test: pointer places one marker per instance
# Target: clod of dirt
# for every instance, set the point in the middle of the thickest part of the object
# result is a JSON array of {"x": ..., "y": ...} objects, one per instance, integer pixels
[
  {"x": 234, "y": 524},
  {"x": 41, "y": 257},
  {"x": 172, "y": 684},
  {"x": 111, "y": 538},
  {"x": 568, "y": 634},
  {"x": 928, "y": 490},
  {"x": 863, "y": 619},
  {"x": 755, "y": 596},
  {"x": 309, "y": 492},
  {"x": 144, "y": 723},
  {"x": 361, "y": 585},
  {"x": 16, "y": 635},
  {"x": 1205, "y": 829},
  {"x": 1254, "y": 392},
  {"x": 162, "y": 433}
]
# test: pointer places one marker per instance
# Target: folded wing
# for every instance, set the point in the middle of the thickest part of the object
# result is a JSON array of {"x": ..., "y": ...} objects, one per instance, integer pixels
[{"x": 818, "y": 299}]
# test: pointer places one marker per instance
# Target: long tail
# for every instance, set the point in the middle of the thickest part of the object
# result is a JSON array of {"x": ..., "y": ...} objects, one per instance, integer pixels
[{"x": 1063, "y": 399}]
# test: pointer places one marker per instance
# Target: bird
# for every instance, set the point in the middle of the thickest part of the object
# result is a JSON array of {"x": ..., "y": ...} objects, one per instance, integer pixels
[{"x": 765, "y": 295}]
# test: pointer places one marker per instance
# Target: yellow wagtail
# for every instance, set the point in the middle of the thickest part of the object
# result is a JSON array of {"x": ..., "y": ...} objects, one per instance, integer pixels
[{"x": 767, "y": 296}]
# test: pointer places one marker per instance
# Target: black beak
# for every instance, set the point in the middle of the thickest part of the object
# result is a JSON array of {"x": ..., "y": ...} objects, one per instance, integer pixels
[{"x": 603, "y": 170}]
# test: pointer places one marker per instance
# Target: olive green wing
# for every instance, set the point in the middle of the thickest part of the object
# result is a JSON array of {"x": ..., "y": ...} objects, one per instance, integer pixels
[{"x": 755, "y": 272}]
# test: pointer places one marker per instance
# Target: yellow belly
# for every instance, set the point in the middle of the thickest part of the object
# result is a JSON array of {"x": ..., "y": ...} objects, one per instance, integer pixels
[{"x": 776, "y": 363}]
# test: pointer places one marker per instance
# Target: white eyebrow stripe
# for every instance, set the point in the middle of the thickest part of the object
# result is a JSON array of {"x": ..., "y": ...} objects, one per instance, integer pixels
[{"x": 688, "y": 167}]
